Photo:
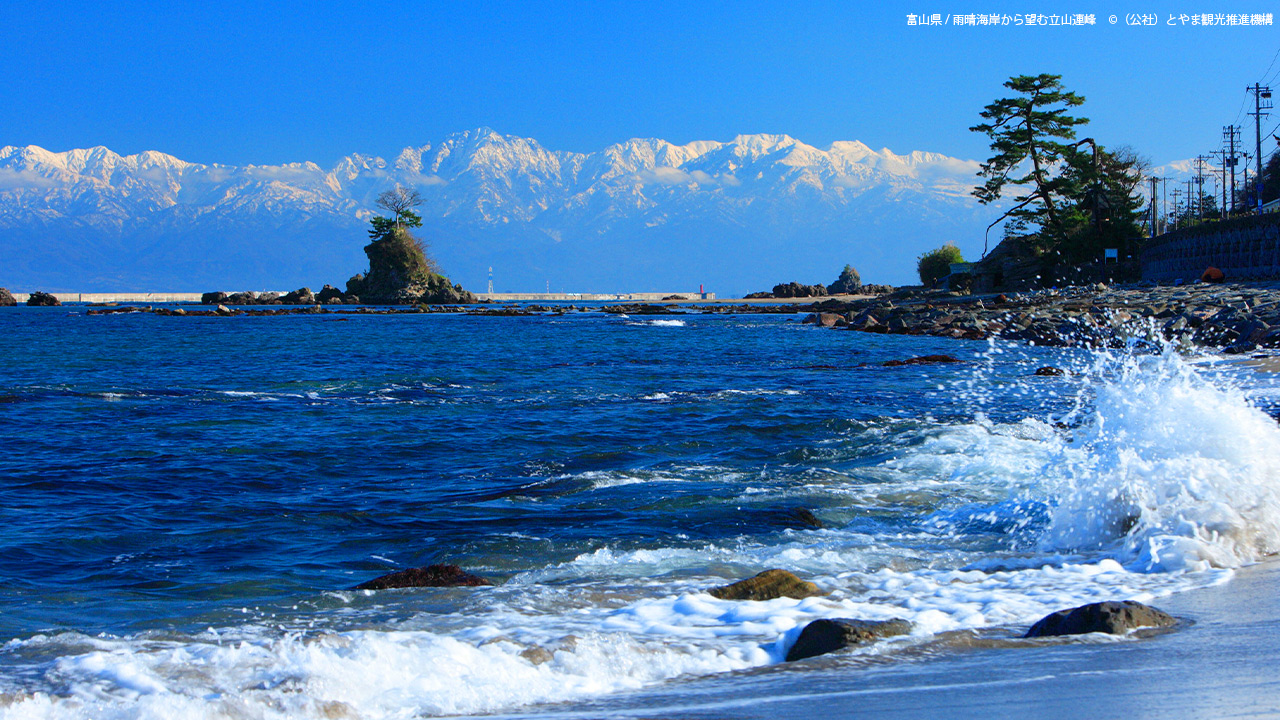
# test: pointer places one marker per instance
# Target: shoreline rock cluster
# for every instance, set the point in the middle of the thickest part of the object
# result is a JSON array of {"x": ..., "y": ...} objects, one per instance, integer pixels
[
  {"x": 828, "y": 635},
  {"x": 328, "y": 295},
  {"x": 1230, "y": 318},
  {"x": 1235, "y": 318}
]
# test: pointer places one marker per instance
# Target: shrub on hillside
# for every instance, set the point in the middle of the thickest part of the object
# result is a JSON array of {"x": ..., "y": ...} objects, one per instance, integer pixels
[{"x": 936, "y": 264}]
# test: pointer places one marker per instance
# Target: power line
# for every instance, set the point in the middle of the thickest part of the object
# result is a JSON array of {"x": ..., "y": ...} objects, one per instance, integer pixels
[{"x": 1273, "y": 63}]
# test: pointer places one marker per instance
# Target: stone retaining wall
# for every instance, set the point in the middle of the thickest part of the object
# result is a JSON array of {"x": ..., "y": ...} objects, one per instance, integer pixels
[{"x": 1245, "y": 248}]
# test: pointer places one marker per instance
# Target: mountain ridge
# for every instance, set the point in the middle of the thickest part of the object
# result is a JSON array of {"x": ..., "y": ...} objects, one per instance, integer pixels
[{"x": 639, "y": 213}]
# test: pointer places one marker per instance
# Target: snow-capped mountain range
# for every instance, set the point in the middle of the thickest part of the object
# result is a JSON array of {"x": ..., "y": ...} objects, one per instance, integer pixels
[{"x": 640, "y": 215}]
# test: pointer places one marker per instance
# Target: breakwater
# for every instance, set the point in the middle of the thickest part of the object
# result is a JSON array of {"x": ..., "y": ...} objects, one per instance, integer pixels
[
  {"x": 160, "y": 297},
  {"x": 1246, "y": 248},
  {"x": 593, "y": 297},
  {"x": 178, "y": 297}
]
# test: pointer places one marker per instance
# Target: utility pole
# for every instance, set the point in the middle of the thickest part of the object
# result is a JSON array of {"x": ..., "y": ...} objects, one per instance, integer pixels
[
  {"x": 1246, "y": 177},
  {"x": 1223, "y": 153},
  {"x": 1153, "y": 180},
  {"x": 1177, "y": 209},
  {"x": 1200, "y": 186},
  {"x": 1231, "y": 134},
  {"x": 1261, "y": 101}
]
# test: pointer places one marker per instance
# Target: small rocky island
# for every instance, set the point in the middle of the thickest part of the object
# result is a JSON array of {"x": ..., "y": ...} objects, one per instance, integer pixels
[{"x": 401, "y": 271}]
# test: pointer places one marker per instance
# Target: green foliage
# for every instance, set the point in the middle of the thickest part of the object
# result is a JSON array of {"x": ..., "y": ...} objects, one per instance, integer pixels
[
  {"x": 401, "y": 254},
  {"x": 1075, "y": 200},
  {"x": 1026, "y": 133},
  {"x": 936, "y": 264},
  {"x": 848, "y": 283}
]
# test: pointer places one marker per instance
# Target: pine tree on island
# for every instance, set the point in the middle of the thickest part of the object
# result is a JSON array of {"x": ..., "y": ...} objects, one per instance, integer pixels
[{"x": 401, "y": 271}]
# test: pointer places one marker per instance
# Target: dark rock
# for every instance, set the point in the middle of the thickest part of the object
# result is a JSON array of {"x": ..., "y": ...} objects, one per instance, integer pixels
[
  {"x": 429, "y": 576},
  {"x": 796, "y": 290},
  {"x": 400, "y": 273},
  {"x": 7, "y": 299},
  {"x": 675, "y": 297},
  {"x": 213, "y": 298},
  {"x": 1115, "y": 618},
  {"x": 797, "y": 517},
  {"x": 247, "y": 297},
  {"x": 827, "y": 319},
  {"x": 1212, "y": 275},
  {"x": 330, "y": 295},
  {"x": 42, "y": 299},
  {"x": 922, "y": 360},
  {"x": 758, "y": 296},
  {"x": 301, "y": 296},
  {"x": 849, "y": 282},
  {"x": 828, "y": 635},
  {"x": 1050, "y": 371},
  {"x": 768, "y": 585}
]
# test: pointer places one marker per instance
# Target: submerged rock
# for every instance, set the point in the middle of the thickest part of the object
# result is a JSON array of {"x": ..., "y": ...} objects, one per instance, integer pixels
[
  {"x": 828, "y": 635},
  {"x": 768, "y": 585},
  {"x": 1050, "y": 371},
  {"x": 1115, "y": 618},
  {"x": 42, "y": 299},
  {"x": 922, "y": 360},
  {"x": 429, "y": 576}
]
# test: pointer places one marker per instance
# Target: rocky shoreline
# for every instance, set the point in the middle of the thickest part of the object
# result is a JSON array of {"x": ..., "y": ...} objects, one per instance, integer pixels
[{"x": 1235, "y": 318}]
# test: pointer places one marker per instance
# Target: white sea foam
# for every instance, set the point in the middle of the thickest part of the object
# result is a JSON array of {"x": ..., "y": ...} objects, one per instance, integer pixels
[
  {"x": 1160, "y": 480},
  {"x": 1169, "y": 469}
]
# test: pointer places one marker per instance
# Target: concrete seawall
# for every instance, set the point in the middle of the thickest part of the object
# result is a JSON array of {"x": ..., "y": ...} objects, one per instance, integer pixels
[
  {"x": 592, "y": 297},
  {"x": 1246, "y": 248},
  {"x": 74, "y": 297}
]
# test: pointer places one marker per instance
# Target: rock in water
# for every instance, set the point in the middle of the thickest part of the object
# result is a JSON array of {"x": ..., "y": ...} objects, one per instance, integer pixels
[
  {"x": 42, "y": 299},
  {"x": 1116, "y": 618},
  {"x": 330, "y": 294},
  {"x": 429, "y": 576},
  {"x": 1050, "y": 371},
  {"x": 301, "y": 296},
  {"x": 213, "y": 298},
  {"x": 828, "y": 635},
  {"x": 922, "y": 360},
  {"x": 7, "y": 299},
  {"x": 768, "y": 585}
]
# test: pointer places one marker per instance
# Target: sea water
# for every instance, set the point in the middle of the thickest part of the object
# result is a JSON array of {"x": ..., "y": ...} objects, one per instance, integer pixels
[{"x": 187, "y": 502}]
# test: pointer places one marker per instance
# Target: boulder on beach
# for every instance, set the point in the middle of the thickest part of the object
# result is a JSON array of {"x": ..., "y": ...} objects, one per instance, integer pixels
[
  {"x": 1212, "y": 275},
  {"x": 429, "y": 576},
  {"x": 828, "y": 635},
  {"x": 768, "y": 585},
  {"x": 1115, "y": 618},
  {"x": 6, "y": 298},
  {"x": 42, "y": 299}
]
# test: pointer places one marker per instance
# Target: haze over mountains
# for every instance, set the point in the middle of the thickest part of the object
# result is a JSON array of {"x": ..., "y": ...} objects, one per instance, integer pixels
[{"x": 637, "y": 216}]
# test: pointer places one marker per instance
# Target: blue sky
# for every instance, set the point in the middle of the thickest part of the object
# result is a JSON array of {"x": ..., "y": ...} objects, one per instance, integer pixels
[{"x": 270, "y": 82}]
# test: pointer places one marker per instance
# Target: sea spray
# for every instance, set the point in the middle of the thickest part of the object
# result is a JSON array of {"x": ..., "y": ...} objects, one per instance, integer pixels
[
  {"x": 1168, "y": 465},
  {"x": 623, "y": 509}
]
